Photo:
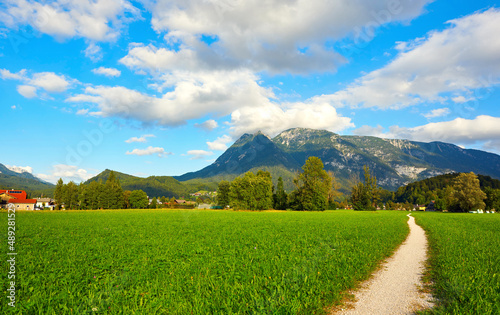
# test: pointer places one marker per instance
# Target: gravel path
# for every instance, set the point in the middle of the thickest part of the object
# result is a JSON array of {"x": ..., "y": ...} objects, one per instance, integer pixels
[{"x": 394, "y": 289}]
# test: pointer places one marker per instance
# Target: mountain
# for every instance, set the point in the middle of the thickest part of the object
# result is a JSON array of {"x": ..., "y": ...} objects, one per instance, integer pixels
[
  {"x": 247, "y": 153},
  {"x": 155, "y": 186},
  {"x": 394, "y": 162},
  {"x": 17, "y": 179}
]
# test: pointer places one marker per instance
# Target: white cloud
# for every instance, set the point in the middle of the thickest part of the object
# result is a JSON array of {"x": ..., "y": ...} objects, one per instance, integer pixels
[
  {"x": 207, "y": 125},
  {"x": 371, "y": 131},
  {"x": 100, "y": 20},
  {"x": 149, "y": 151},
  {"x": 93, "y": 52},
  {"x": 7, "y": 75},
  {"x": 199, "y": 154},
  {"x": 109, "y": 72},
  {"x": 437, "y": 113},
  {"x": 20, "y": 169},
  {"x": 194, "y": 95},
  {"x": 220, "y": 144},
  {"x": 272, "y": 119},
  {"x": 67, "y": 173},
  {"x": 429, "y": 69},
  {"x": 82, "y": 112},
  {"x": 298, "y": 30},
  {"x": 481, "y": 129},
  {"x": 50, "y": 81},
  {"x": 27, "y": 91},
  {"x": 141, "y": 139}
]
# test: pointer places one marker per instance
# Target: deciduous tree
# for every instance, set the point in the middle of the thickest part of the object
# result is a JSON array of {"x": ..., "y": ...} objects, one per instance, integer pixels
[
  {"x": 365, "y": 196},
  {"x": 280, "y": 197},
  {"x": 313, "y": 186},
  {"x": 138, "y": 199},
  {"x": 223, "y": 193},
  {"x": 468, "y": 193}
]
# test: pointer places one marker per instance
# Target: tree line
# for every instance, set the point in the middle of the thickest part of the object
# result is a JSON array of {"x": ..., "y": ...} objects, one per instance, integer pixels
[
  {"x": 98, "y": 195},
  {"x": 315, "y": 189},
  {"x": 458, "y": 192}
]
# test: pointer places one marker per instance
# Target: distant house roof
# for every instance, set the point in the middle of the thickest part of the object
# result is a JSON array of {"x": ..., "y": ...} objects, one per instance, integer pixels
[
  {"x": 180, "y": 201},
  {"x": 43, "y": 199},
  {"x": 18, "y": 194}
]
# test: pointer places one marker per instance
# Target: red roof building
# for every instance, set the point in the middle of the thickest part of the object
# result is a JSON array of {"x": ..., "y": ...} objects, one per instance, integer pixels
[
  {"x": 18, "y": 198},
  {"x": 24, "y": 204}
]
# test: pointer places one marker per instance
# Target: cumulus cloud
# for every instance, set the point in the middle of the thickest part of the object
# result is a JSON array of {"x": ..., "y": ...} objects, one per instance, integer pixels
[
  {"x": 199, "y": 154},
  {"x": 67, "y": 173},
  {"x": 440, "y": 67},
  {"x": 141, "y": 139},
  {"x": 27, "y": 91},
  {"x": 241, "y": 36},
  {"x": 220, "y": 144},
  {"x": 7, "y": 75},
  {"x": 109, "y": 72},
  {"x": 49, "y": 81},
  {"x": 459, "y": 131},
  {"x": 194, "y": 95},
  {"x": 207, "y": 125},
  {"x": 149, "y": 151},
  {"x": 100, "y": 20},
  {"x": 93, "y": 52},
  {"x": 437, "y": 113},
  {"x": 272, "y": 119}
]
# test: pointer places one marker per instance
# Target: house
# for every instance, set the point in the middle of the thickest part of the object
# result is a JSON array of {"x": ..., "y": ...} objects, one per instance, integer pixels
[
  {"x": 18, "y": 198},
  {"x": 24, "y": 204},
  {"x": 431, "y": 206},
  {"x": 42, "y": 203},
  {"x": 420, "y": 207}
]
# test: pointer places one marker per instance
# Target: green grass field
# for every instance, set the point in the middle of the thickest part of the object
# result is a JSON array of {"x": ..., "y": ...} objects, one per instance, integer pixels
[
  {"x": 194, "y": 262},
  {"x": 465, "y": 261}
]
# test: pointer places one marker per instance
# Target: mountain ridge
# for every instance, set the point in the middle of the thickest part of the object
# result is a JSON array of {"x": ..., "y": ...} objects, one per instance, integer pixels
[
  {"x": 10, "y": 179},
  {"x": 395, "y": 162}
]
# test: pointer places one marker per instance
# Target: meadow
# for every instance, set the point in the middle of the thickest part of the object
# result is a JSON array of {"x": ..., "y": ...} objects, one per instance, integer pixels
[
  {"x": 195, "y": 262},
  {"x": 465, "y": 261}
]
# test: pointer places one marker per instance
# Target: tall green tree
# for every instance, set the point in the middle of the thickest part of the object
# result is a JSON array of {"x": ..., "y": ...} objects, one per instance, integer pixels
[
  {"x": 126, "y": 199},
  {"x": 154, "y": 203},
  {"x": 468, "y": 193},
  {"x": 252, "y": 192},
  {"x": 71, "y": 196},
  {"x": 365, "y": 196},
  {"x": 280, "y": 197},
  {"x": 138, "y": 199},
  {"x": 313, "y": 185},
  {"x": 334, "y": 194},
  {"x": 114, "y": 192},
  {"x": 360, "y": 197},
  {"x": 263, "y": 189},
  {"x": 223, "y": 193},
  {"x": 59, "y": 193},
  {"x": 492, "y": 199}
]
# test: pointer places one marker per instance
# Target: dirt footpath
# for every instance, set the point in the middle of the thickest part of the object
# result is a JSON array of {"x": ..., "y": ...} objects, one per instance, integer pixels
[{"x": 394, "y": 289}]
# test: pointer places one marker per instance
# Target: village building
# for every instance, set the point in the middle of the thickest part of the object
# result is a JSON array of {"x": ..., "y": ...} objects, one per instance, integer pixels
[
  {"x": 18, "y": 198},
  {"x": 42, "y": 203}
]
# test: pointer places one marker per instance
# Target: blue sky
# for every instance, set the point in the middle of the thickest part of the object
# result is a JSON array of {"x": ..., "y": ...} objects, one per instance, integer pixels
[{"x": 164, "y": 87}]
